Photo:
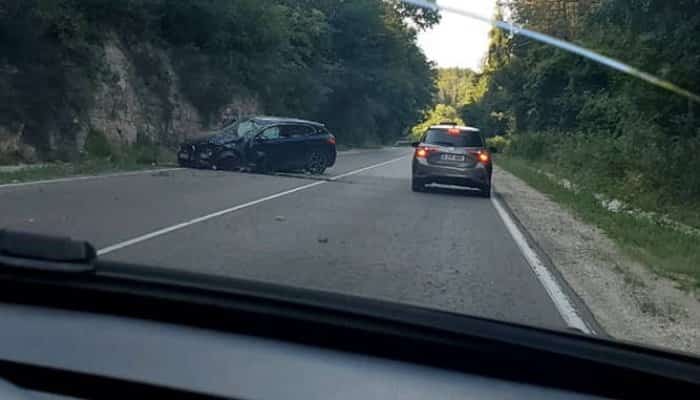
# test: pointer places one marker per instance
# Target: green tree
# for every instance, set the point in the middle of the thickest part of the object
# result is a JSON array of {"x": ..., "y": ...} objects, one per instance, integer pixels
[
  {"x": 420, "y": 16},
  {"x": 352, "y": 64},
  {"x": 458, "y": 87},
  {"x": 441, "y": 113},
  {"x": 597, "y": 121},
  {"x": 499, "y": 51}
]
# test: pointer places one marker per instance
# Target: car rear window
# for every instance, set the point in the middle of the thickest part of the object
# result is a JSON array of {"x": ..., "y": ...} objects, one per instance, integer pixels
[{"x": 464, "y": 139}]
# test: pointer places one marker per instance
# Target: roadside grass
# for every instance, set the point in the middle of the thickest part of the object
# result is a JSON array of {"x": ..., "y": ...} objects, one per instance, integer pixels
[
  {"x": 104, "y": 159},
  {"x": 130, "y": 161},
  {"x": 665, "y": 251},
  {"x": 345, "y": 147}
]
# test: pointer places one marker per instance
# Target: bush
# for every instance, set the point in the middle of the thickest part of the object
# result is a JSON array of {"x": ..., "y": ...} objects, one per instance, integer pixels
[
  {"x": 532, "y": 146},
  {"x": 97, "y": 145},
  {"x": 642, "y": 167},
  {"x": 144, "y": 151},
  {"x": 499, "y": 144}
]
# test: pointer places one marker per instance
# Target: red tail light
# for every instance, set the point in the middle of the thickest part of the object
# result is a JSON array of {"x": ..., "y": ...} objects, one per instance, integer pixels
[
  {"x": 424, "y": 151},
  {"x": 331, "y": 139},
  {"x": 482, "y": 156}
]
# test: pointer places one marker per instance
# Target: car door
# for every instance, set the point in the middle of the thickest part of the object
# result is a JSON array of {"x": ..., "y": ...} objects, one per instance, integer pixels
[
  {"x": 296, "y": 137},
  {"x": 300, "y": 141},
  {"x": 267, "y": 148}
]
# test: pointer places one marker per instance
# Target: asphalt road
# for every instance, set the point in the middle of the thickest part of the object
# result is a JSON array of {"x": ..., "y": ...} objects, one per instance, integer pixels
[{"x": 361, "y": 231}]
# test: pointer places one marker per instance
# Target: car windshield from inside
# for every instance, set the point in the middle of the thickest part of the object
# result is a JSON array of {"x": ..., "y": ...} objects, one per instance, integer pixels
[
  {"x": 534, "y": 162},
  {"x": 453, "y": 137}
]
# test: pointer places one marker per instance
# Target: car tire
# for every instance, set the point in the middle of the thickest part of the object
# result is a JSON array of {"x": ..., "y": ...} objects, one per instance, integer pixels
[
  {"x": 417, "y": 185},
  {"x": 486, "y": 192},
  {"x": 316, "y": 162}
]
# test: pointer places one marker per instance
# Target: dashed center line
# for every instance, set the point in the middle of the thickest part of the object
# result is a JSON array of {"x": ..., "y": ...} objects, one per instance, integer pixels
[{"x": 185, "y": 224}]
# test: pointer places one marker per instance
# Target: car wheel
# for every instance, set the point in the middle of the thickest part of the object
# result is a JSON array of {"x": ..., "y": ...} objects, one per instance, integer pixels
[
  {"x": 486, "y": 191},
  {"x": 229, "y": 163},
  {"x": 417, "y": 185},
  {"x": 316, "y": 163}
]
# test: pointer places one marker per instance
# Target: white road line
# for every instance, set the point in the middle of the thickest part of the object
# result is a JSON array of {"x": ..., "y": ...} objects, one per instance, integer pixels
[
  {"x": 357, "y": 171},
  {"x": 86, "y": 177},
  {"x": 555, "y": 292},
  {"x": 185, "y": 224},
  {"x": 207, "y": 217}
]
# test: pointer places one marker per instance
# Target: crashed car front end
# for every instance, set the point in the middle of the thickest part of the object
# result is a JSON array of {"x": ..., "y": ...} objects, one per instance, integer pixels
[
  {"x": 197, "y": 155},
  {"x": 210, "y": 151}
]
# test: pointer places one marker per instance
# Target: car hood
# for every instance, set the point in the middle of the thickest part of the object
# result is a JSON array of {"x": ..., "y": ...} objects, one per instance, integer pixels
[{"x": 216, "y": 139}]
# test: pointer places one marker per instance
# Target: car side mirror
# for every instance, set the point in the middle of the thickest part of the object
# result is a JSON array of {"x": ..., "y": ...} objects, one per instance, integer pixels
[
  {"x": 415, "y": 144},
  {"x": 493, "y": 149}
]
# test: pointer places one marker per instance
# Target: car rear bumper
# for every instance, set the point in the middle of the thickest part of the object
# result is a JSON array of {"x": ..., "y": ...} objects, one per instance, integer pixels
[{"x": 478, "y": 176}]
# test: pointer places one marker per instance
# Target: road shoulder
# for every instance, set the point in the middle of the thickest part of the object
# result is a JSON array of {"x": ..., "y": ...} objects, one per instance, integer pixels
[{"x": 626, "y": 299}]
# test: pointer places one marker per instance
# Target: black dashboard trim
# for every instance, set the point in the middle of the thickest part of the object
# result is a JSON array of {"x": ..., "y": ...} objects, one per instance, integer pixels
[
  {"x": 85, "y": 386},
  {"x": 412, "y": 334}
]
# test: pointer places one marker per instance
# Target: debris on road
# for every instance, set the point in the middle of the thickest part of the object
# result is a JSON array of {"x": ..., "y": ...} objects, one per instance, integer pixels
[{"x": 280, "y": 218}]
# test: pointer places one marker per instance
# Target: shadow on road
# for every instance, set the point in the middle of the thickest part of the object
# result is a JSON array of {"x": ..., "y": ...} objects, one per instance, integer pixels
[
  {"x": 288, "y": 174},
  {"x": 453, "y": 191}
]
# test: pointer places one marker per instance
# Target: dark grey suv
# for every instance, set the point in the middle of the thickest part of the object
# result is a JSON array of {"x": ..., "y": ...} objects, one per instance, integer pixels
[
  {"x": 452, "y": 155},
  {"x": 263, "y": 144}
]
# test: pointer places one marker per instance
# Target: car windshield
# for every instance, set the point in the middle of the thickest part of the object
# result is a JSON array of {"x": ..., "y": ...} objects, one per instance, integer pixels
[
  {"x": 461, "y": 139},
  {"x": 242, "y": 129},
  {"x": 569, "y": 200}
]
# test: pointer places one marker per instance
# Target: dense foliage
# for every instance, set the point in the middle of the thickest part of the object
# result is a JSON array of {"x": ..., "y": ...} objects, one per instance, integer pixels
[
  {"x": 459, "y": 87},
  {"x": 439, "y": 114},
  {"x": 456, "y": 88},
  {"x": 352, "y": 64},
  {"x": 609, "y": 129}
]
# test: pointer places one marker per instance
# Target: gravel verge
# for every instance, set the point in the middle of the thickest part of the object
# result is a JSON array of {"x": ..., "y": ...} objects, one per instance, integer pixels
[{"x": 627, "y": 300}]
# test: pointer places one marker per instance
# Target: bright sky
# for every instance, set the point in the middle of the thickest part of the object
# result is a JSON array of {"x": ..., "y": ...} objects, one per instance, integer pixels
[{"x": 459, "y": 41}]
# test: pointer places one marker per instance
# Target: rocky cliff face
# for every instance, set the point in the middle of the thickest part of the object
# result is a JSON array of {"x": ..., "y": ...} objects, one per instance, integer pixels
[
  {"x": 136, "y": 95},
  {"x": 128, "y": 103}
]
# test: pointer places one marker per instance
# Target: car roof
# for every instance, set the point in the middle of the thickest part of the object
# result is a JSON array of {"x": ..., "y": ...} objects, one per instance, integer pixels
[
  {"x": 463, "y": 128},
  {"x": 281, "y": 120}
]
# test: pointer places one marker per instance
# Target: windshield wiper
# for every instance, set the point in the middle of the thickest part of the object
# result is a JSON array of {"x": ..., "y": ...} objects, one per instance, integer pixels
[{"x": 31, "y": 251}]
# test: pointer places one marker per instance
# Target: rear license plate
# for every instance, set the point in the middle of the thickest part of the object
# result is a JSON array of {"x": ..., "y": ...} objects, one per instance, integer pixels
[
  {"x": 452, "y": 157},
  {"x": 184, "y": 156}
]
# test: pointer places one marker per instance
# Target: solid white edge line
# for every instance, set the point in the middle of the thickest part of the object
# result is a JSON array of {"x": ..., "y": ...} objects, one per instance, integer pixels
[
  {"x": 86, "y": 177},
  {"x": 203, "y": 218},
  {"x": 561, "y": 301}
]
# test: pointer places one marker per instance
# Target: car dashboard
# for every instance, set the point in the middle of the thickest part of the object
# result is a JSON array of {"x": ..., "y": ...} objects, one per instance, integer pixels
[
  {"x": 77, "y": 327},
  {"x": 204, "y": 362}
]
